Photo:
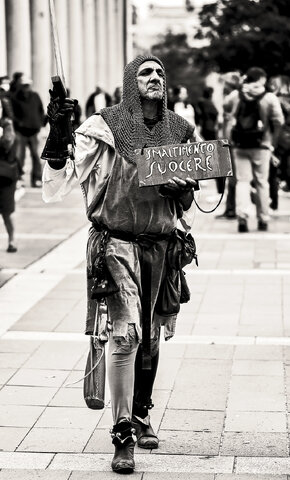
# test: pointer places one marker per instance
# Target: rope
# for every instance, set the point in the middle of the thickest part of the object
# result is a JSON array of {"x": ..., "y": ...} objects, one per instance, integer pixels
[
  {"x": 217, "y": 205},
  {"x": 92, "y": 369}
]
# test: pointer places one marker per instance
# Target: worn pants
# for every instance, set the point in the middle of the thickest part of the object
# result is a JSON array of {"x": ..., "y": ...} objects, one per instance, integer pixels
[
  {"x": 130, "y": 386},
  {"x": 252, "y": 163},
  {"x": 32, "y": 143}
]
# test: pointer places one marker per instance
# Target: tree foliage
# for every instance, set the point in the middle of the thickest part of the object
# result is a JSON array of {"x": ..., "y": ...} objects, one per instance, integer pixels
[
  {"x": 245, "y": 33},
  {"x": 178, "y": 58}
]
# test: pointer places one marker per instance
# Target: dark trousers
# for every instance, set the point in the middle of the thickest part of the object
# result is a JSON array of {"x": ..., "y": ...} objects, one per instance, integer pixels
[
  {"x": 231, "y": 194},
  {"x": 144, "y": 381},
  {"x": 274, "y": 186},
  {"x": 32, "y": 143}
]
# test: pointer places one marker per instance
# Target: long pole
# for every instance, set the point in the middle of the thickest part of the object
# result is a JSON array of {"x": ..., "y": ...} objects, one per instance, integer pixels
[{"x": 56, "y": 45}]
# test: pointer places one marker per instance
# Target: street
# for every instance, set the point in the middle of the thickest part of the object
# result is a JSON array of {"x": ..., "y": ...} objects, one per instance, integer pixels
[{"x": 222, "y": 395}]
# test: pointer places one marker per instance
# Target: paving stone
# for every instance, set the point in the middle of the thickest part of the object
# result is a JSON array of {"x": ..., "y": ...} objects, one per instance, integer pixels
[
  {"x": 258, "y": 367},
  {"x": 171, "y": 350},
  {"x": 258, "y": 352},
  {"x": 12, "y": 359},
  {"x": 50, "y": 440},
  {"x": 255, "y": 444},
  {"x": 177, "y": 476},
  {"x": 10, "y": 437},
  {"x": 72, "y": 380},
  {"x": 67, "y": 397},
  {"x": 209, "y": 394},
  {"x": 255, "y": 422},
  {"x": 145, "y": 463},
  {"x": 41, "y": 378},
  {"x": 188, "y": 443},
  {"x": 160, "y": 398},
  {"x": 209, "y": 351},
  {"x": 60, "y": 417},
  {"x": 202, "y": 368},
  {"x": 256, "y": 393},
  {"x": 12, "y": 395},
  {"x": 12, "y": 460},
  {"x": 103, "y": 476},
  {"x": 33, "y": 475},
  {"x": 19, "y": 346},
  {"x": 249, "y": 477},
  {"x": 56, "y": 355},
  {"x": 19, "y": 415},
  {"x": 166, "y": 373},
  {"x": 6, "y": 374},
  {"x": 258, "y": 465},
  {"x": 100, "y": 442},
  {"x": 193, "y": 420}
]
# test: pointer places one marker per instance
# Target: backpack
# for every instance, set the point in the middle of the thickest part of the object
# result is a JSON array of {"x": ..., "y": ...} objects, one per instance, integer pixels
[{"x": 249, "y": 129}]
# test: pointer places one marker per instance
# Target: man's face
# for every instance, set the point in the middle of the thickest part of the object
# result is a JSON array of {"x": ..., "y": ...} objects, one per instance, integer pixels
[{"x": 150, "y": 79}]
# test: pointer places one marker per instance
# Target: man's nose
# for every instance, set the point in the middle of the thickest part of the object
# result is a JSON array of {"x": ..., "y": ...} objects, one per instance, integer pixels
[{"x": 154, "y": 76}]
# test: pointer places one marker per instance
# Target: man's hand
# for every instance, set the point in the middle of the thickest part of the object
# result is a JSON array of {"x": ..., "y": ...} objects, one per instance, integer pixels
[
  {"x": 275, "y": 160},
  {"x": 57, "y": 109},
  {"x": 182, "y": 185}
]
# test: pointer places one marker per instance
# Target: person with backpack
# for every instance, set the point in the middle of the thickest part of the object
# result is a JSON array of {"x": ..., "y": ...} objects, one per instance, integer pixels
[{"x": 258, "y": 118}]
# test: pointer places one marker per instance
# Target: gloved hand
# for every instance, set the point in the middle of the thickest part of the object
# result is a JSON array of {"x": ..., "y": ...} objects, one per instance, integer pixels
[{"x": 58, "y": 108}]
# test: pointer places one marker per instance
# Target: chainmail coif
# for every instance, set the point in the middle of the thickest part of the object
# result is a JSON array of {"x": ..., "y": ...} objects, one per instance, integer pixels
[{"x": 126, "y": 119}]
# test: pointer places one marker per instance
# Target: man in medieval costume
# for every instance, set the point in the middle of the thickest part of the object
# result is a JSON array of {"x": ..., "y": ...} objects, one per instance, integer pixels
[{"x": 138, "y": 223}]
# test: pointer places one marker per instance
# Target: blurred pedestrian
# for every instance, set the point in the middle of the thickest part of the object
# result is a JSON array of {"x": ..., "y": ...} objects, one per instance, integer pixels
[
  {"x": 117, "y": 95},
  {"x": 96, "y": 101},
  {"x": 130, "y": 233},
  {"x": 5, "y": 95},
  {"x": 29, "y": 118},
  {"x": 9, "y": 172},
  {"x": 207, "y": 119},
  {"x": 280, "y": 85},
  {"x": 232, "y": 82},
  {"x": 258, "y": 118},
  {"x": 76, "y": 119},
  {"x": 182, "y": 106},
  {"x": 15, "y": 82}
]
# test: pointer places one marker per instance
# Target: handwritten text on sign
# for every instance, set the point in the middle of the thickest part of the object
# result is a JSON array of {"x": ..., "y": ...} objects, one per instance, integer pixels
[{"x": 200, "y": 160}]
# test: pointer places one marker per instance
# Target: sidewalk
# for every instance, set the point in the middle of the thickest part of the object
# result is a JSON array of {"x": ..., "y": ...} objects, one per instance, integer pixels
[{"x": 223, "y": 385}]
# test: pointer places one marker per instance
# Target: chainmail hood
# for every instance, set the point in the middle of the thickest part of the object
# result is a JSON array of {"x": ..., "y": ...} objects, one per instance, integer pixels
[{"x": 126, "y": 119}]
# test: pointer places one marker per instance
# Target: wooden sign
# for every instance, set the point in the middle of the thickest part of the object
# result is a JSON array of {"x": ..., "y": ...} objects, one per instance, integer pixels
[{"x": 199, "y": 160}]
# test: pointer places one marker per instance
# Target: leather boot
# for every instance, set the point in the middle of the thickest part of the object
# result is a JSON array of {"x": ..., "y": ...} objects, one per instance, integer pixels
[
  {"x": 146, "y": 437},
  {"x": 123, "y": 461}
]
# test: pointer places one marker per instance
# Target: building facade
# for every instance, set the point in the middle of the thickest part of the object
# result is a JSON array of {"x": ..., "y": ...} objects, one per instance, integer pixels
[{"x": 93, "y": 41}]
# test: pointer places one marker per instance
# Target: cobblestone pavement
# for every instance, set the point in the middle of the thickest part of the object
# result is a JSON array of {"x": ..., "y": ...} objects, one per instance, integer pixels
[{"x": 222, "y": 390}]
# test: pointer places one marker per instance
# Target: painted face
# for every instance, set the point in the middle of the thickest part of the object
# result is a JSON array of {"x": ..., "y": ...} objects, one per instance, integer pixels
[{"x": 150, "y": 79}]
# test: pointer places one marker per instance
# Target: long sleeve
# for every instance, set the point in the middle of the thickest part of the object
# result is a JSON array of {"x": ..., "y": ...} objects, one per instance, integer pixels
[{"x": 92, "y": 153}]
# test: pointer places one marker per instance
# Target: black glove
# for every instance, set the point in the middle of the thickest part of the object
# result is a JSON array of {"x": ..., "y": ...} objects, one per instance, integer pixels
[
  {"x": 58, "y": 109},
  {"x": 60, "y": 142}
]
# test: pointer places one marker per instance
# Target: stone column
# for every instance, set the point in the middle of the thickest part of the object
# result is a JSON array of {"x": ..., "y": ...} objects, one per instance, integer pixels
[
  {"x": 18, "y": 36},
  {"x": 3, "y": 48},
  {"x": 129, "y": 55},
  {"x": 89, "y": 47},
  {"x": 101, "y": 43},
  {"x": 61, "y": 12},
  {"x": 111, "y": 45},
  {"x": 120, "y": 42},
  {"x": 76, "y": 50},
  {"x": 41, "y": 48}
]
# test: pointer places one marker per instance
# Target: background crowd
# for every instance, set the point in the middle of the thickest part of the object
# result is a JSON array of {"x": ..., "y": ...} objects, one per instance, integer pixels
[{"x": 23, "y": 116}]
